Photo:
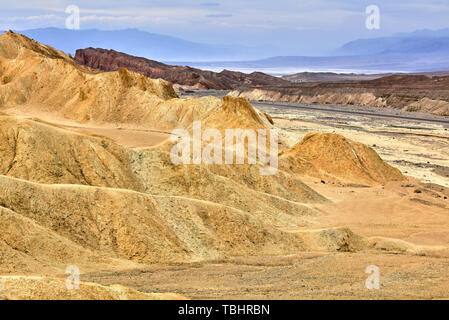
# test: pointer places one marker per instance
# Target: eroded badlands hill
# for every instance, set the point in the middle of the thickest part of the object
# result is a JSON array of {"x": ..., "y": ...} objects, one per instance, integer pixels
[
  {"x": 406, "y": 92},
  {"x": 110, "y": 60},
  {"x": 357, "y": 163},
  {"x": 70, "y": 197}
]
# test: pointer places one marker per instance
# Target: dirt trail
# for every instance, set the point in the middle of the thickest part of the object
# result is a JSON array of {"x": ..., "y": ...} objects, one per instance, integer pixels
[{"x": 126, "y": 135}]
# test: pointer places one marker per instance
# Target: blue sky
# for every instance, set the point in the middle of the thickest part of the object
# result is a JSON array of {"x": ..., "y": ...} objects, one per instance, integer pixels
[{"x": 303, "y": 27}]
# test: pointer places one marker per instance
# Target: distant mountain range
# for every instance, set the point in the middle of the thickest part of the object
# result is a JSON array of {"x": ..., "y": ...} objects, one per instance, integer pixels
[
  {"x": 344, "y": 77},
  {"x": 418, "y": 42},
  {"x": 419, "y": 51}
]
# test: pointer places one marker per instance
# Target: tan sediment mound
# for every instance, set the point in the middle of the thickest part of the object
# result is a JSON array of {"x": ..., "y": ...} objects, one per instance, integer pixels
[
  {"x": 43, "y": 288},
  {"x": 43, "y": 153},
  {"x": 176, "y": 113},
  {"x": 99, "y": 229},
  {"x": 335, "y": 157},
  {"x": 58, "y": 225},
  {"x": 236, "y": 113},
  {"x": 280, "y": 200},
  {"x": 227, "y": 113},
  {"x": 27, "y": 247},
  {"x": 136, "y": 226},
  {"x": 13, "y": 45},
  {"x": 38, "y": 77},
  {"x": 241, "y": 186}
]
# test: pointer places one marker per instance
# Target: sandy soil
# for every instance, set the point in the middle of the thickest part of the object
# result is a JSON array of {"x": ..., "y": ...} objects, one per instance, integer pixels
[
  {"x": 303, "y": 276},
  {"x": 409, "y": 211}
]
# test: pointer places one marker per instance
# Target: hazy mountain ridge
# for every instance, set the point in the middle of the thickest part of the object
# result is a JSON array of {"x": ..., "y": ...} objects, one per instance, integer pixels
[
  {"x": 419, "y": 51},
  {"x": 419, "y": 42}
]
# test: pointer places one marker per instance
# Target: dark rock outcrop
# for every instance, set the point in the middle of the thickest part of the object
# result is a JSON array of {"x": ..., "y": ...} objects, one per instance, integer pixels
[{"x": 110, "y": 60}]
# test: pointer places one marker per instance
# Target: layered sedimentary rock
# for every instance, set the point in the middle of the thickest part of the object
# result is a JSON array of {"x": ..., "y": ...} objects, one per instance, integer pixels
[
  {"x": 110, "y": 60},
  {"x": 406, "y": 92},
  {"x": 356, "y": 163}
]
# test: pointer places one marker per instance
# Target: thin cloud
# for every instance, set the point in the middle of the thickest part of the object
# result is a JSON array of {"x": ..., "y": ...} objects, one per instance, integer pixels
[
  {"x": 221, "y": 15},
  {"x": 210, "y": 4},
  {"x": 32, "y": 18},
  {"x": 111, "y": 18}
]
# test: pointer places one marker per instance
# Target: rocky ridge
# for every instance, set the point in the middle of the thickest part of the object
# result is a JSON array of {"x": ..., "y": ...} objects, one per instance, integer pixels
[
  {"x": 406, "y": 92},
  {"x": 187, "y": 77}
]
